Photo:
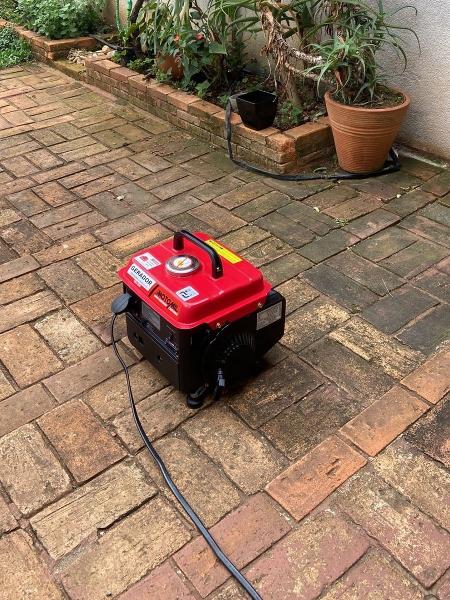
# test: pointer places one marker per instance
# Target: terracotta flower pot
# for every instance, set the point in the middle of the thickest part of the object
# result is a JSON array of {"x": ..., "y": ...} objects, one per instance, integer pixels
[
  {"x": 173, "y": 63},
  {"x": 364, "y": 136}
]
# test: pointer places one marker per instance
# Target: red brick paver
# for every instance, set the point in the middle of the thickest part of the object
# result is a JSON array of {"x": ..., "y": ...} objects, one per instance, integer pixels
[
  {"x": 244, "y": 535},
  {"x": 431, "y": 380},
  {"x": 375, "y": 576},
  {"x": 307, "y": 482},
  {"x": 82, "y": 458},
  {"x": 326, "y": 541},
  {"x": 162, "y": 583},
  {"x": 384, "y": 420},
  {"x": 324, "y": 476}
]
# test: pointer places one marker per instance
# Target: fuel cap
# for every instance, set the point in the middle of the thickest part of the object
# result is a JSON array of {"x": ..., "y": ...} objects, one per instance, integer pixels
[{"x": 182, "y": 264}]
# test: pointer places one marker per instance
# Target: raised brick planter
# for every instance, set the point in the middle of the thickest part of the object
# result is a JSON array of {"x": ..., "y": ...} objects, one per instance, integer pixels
[
  {"x": 48, "y": 50},
  {"x": 272, "y": 148}
]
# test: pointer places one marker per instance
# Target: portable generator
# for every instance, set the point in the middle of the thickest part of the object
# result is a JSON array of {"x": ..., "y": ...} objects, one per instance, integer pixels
[{"x": 200, "y": 313}]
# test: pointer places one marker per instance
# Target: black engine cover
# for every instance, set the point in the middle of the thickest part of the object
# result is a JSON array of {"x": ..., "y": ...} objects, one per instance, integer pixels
[{"x": 190, "y": 358}]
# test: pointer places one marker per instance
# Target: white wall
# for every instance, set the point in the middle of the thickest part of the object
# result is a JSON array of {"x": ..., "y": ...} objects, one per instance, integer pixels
[
  {"x": 426, "y": 80},
  {"x": 427, "y": 77}
]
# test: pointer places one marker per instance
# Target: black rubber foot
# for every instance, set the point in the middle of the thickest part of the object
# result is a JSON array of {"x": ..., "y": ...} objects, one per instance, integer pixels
[{"x": 197, "y": 398}]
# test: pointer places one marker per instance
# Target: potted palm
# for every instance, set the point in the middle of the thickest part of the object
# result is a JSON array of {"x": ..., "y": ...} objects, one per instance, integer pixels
[{"x": 365, "y": 115}]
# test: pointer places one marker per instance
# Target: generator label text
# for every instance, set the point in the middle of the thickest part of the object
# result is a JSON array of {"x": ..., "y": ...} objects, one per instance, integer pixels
[
  {"x": 269, "y": 315},
  {"x": 147, "y": 260},
  {"x": 187, "y": 293},
  {"x": 140, "y": 277},
  {"x": 166, "y": 301}
]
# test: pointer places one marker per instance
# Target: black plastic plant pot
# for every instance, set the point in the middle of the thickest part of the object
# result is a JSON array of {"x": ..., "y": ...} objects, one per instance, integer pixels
[{"x": 257, "y": 109}]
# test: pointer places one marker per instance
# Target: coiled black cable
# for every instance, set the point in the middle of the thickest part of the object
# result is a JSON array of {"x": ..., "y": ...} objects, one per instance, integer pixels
[
  {"x": 391, "y": 166},
  {"x": 233, "y": 570}
]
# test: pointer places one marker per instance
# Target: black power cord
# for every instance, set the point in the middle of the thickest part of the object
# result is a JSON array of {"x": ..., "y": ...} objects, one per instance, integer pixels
[
  {"x": 233, "y": 570},
  {"x": 390, "y": 166}
]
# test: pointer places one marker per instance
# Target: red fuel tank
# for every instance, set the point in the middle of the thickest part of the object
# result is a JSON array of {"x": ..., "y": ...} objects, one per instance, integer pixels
[{"x": 194, "y": 280}]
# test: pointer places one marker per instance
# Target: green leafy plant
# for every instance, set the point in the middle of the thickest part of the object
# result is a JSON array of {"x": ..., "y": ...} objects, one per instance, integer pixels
[
  {"x": 202, "y": 88},
  {"x": 208, "y": 43},
  {"x": 353, "y": 33},
  {"x": 128, "y": 34},
  {"x": 118, "y": 57},
  {"x": 226, "y": 23},
  {"x": 163, "y": 76},
  {"x": 222, "y": 100},
  {"x": 13, "y": 49},
  {"x": 192, "y": 50},
  {"x": 142, "y": 65},
  {"x": 288, "y": 115},
  {"x": 156, "y": 23},
  {"x": 59, "y": 19},
  {"x": 8, "y": 10}
]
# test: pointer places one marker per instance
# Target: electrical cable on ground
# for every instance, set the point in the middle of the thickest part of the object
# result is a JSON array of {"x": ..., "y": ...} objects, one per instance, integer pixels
[
  {"x": 390, "y": 166},
  {"x": 233, "y": 570}
]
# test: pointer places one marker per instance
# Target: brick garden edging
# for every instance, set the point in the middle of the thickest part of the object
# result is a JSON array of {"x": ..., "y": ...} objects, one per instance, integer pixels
[
  {"x": 48, "y": 50},
  {"x": 272, "y": 148}
]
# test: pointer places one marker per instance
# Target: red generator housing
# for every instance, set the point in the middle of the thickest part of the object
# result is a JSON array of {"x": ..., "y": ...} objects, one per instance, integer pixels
[{"x": 200, "y": 313}]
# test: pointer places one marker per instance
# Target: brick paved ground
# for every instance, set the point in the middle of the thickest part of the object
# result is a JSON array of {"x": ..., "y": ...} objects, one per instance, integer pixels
[{"x": 326, "y": 477}]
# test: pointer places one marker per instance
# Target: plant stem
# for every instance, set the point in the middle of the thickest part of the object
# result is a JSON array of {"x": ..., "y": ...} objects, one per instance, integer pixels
[{"x": 117, "y": 14}]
